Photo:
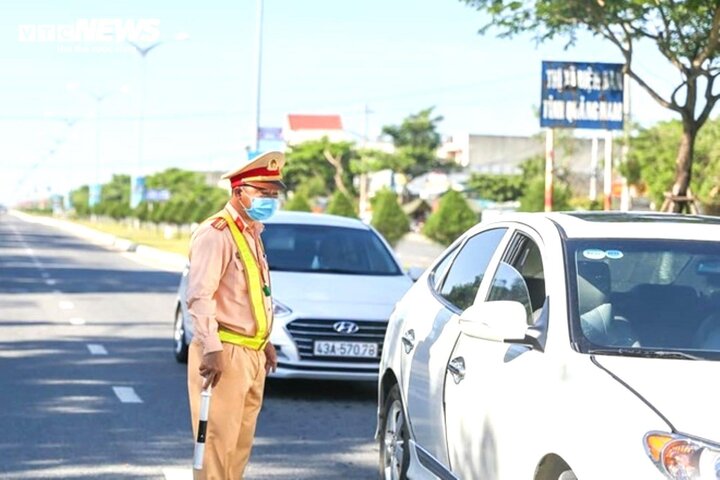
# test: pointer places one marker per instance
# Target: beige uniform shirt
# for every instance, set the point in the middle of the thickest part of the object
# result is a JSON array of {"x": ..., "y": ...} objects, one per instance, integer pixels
[{"x": 217, "y": 292}]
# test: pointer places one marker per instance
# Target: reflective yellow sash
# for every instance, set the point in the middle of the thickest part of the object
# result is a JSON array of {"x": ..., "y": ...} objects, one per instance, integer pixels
[{"x": 253, "y": 278}]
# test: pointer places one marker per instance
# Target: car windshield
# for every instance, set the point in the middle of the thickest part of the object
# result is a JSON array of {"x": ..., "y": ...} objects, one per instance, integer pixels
[
  {"x": 646, "y": 297},
  {"x": 326, "y": 249}
]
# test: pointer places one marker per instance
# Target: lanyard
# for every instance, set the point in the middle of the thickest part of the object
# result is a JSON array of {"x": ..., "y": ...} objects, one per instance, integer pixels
[{"x": 262, "y": 262}]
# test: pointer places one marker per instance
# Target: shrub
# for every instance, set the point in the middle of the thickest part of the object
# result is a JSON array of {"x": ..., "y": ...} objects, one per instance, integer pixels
[
  {"x": 298, "y": 203},
  {"x": 584, "y": 203},
  {"x": 533, "y": 200},
  {"x": 452, "y": 218},
  {"x": 341, "y": 205},
  {"x": 388, "y": 217}
]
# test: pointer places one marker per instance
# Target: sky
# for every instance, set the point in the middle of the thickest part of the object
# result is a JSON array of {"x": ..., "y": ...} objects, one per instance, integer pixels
[{"x": 390, "y": 58}]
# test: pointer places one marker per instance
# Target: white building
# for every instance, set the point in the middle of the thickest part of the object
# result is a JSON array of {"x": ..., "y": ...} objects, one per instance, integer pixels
[{"x": 497, "y": 154}]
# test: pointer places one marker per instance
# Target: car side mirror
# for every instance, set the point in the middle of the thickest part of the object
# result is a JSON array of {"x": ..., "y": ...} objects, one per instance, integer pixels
[
  {"x": 499, "y": 321},
  {"x": 415, "y": 272}
]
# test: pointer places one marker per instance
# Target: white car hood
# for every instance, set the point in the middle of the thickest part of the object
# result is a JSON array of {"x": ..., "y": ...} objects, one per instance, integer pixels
[
  {"x": 684, "y": 391},
  {"x": 326, "y": 295}
]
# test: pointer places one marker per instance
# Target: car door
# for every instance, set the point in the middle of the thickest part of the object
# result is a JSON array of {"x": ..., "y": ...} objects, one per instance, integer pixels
[
  {"x": 431, "y": 331},
  {"x": 490, "y": 385}
]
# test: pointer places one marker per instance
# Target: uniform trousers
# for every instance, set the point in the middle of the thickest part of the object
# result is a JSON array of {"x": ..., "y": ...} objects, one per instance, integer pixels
[{"x": 234, "y": 407}]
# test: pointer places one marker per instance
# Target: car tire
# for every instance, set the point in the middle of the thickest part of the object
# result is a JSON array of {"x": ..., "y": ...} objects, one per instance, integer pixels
[
  {"x": 394, "y": 438},
  {"x": 180, "y": 346}
]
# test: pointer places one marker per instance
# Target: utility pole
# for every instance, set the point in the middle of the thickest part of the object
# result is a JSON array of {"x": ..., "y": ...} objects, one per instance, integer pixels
[
  {"x": 258, "y": 71},
  {"x": 625, "y": 196},
  {"x": 363, "y": 203}
]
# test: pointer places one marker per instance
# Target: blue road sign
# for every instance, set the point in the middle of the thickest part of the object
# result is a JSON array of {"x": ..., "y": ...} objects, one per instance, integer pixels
[{"x": 582, "y": 95}]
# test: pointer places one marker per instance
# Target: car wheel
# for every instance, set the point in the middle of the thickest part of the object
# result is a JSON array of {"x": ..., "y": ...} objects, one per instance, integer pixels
[
  {"x": 394, "y": 439},
  {"x": 181, "y": 346}
]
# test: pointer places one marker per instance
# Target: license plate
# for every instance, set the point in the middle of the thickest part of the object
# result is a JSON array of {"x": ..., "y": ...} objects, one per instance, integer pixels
[{"x": 346, "y": 349}]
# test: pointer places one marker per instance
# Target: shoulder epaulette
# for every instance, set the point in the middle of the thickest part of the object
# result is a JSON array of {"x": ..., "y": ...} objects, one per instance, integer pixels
[{"x": 219, "y": 223}]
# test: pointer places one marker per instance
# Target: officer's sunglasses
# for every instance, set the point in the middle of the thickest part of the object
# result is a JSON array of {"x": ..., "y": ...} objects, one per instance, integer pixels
[{"x": 264, "y": 192}]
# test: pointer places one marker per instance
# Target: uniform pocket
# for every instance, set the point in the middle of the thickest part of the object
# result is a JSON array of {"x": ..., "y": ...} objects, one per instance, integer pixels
[{"x": 238, "y": 272}]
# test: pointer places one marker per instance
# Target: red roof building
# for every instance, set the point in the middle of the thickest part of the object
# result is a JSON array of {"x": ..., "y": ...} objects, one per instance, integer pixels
[
  {"x": 314, "y": 122},
  {"x": 303, "y": 128}
]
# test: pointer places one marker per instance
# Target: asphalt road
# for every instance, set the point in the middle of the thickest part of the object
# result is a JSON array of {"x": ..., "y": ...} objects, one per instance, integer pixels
[{"x": 89, "y": 388}]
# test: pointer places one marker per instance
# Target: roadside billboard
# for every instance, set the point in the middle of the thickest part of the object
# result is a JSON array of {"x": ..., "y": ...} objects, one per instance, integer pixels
[
  {"x": 137, "y": 191},
  {"x": 94, "y": 194},
  {"x": 582, "y": 95}
]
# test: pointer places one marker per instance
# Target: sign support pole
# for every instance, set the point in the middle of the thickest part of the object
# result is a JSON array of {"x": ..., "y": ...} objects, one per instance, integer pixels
[
  {"x": 549, "y": 165},
  {"x": 607, "y": 180},
  {"x": 593, "y": 168}
]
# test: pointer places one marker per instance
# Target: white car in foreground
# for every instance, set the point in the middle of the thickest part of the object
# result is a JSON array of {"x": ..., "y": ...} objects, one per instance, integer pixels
[
  {"x": 559, "y": 346},
  {"x": 335, "y": 281}
]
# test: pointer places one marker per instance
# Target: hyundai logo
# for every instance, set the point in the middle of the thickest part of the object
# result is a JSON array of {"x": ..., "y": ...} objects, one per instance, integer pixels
[{"x": 346, "y": 327}]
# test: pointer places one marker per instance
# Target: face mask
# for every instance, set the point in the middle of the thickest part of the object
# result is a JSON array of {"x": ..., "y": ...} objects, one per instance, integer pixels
[{"x": 262, "y": 208}]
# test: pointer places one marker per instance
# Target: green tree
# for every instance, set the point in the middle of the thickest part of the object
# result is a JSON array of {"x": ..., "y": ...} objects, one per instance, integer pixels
[
  {"x": 533, "y": 196},
  {"x": 452, "y": 218},
  {"x": 191, "y": 198},
  {"x": 650, "y": 163},
  {"x": 708, "y": 159},
  {"x": 499, "y": 188},
  {"x": 115, "y": 198},
  {"x": 297, "y": 203},
  {"x": 651, "y": 160},
  {"x": 341, "y": 205},
  {"x": 388, "y": 217},
  {"x": 416, "y": 141},
  {"x": 369, "y": 160},
  {"x": 322, "y": 159},
  {"x": 686, "y": 33},
  {"x": 312, "y": 187},
  {"x": 79, "y": 199}
]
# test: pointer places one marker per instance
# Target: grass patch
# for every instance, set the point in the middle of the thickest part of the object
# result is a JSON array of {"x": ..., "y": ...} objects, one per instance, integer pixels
[{"x": 150, "y": 237}]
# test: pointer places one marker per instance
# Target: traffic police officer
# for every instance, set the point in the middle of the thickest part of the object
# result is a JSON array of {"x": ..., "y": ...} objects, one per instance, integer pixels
[{"x": 229, "y": 300}]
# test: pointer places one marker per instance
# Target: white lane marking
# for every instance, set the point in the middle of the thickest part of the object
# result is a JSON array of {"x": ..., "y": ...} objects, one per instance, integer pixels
[
  {"x": 127, "y": 395},
  {"x": 50, "y": 282},
  {"x": 77, "y": 321},
  {"x": 28, "y": 250},
  {"x": 66, "y": 305},
  {"x": 96, "y": 349},
  {"x": 178, "y": 473}
]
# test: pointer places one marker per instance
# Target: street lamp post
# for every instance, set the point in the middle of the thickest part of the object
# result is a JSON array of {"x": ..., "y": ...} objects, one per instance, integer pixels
[
  {"x": 99, "y": 98},
  {"x": 143, "y": 52}
]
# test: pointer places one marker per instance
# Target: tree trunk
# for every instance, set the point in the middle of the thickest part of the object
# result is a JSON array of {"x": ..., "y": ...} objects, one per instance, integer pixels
[
  {"x": 683, "y": 166},
  {"x": 338, "y": 177}
]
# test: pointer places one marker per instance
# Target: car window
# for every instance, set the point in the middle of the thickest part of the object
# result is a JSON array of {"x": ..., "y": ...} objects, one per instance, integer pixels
[
  {"x": 529, "y": 264},
  {"x": 464, "y": 276},
  {"x": 521, "y": 277},
  {"x": 438, "y": 273},
  {"x": 326, "y": 249},
  {"x": 508, "y": 284}
]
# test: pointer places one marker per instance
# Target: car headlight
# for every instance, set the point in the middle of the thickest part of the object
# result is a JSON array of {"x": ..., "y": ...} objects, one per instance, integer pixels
[
  {"x": 280, "y": 310},
  {"x": 681, "y": 457}
]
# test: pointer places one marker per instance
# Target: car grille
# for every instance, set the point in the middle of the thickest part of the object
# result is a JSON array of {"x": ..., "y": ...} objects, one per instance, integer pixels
[{"x": 305, "y": 332}]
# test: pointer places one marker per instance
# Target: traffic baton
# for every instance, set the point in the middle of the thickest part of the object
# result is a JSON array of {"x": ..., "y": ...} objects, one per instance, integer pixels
[{"x": 202, "y": 428}]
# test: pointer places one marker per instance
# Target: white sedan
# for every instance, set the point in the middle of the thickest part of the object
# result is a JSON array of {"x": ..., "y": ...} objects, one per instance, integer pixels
[
  {"x": 335, "y": 281},
  {"x": 559, "y": 346}
]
